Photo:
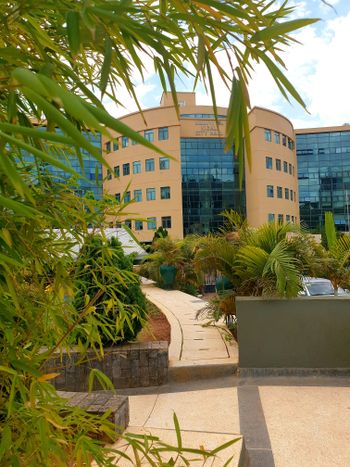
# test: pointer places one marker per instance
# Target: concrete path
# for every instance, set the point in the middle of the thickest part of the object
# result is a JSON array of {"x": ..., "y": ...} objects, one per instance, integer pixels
[{"x": 195, "y": 351}]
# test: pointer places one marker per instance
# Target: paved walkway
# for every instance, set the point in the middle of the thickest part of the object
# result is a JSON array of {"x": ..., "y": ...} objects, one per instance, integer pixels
[{"x": 195, "y": 351}]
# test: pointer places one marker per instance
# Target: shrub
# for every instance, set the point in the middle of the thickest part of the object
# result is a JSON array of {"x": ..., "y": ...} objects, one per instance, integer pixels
[{"x": 105, "y": 273}]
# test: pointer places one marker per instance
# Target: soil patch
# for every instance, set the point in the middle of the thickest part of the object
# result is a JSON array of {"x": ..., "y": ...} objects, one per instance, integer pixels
[{"x": 157, "y": 328}]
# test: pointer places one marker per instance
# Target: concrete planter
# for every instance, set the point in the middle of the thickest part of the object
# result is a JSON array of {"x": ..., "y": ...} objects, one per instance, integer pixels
[{"x": 301, "y": 335}]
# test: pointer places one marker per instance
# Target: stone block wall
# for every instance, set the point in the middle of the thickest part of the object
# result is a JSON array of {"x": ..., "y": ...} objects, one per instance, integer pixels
[{"x": 128, "y": 366}]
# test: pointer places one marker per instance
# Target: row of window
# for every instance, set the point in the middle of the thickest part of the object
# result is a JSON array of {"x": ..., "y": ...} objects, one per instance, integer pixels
[
  {"x": 280, "y": 218},
  {"x": 150, "y": 194},
  {"x": 164, "y": 164},
  {"x": 278, "y": 137},
  {"x": 163, "y": 134},
  {"x": 288, "y": 193},
  {"x": 287, "y": 167},
  {"x": 151, "y": 223}
]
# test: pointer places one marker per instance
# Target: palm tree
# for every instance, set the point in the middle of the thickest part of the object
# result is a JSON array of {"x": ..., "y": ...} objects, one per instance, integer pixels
[{"x": 334, "y": 264}]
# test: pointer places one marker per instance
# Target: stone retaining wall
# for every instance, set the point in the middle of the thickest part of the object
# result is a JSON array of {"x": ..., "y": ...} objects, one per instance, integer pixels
[{"x": 128, "y": 366}]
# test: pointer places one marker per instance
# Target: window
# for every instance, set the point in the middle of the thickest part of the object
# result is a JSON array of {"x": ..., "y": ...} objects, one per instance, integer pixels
[
  {"x": 278, "y": 164},
  {"x": 117, "y": 197},
  {"x": 138, "y": 225},
  {"x": 279, "y": 192},
  {"x": 290, "y": 144},
  {"x": 126, "y": 169},
  {"x": 125, "y": 141},
  {"x": 149, "y": 135},
  {"x": 133, "y": 142},
  {"x": 108, "y": 146},
  {"x": 116, "y": 169},
  {"x": 166, "y": 222},
  {"x": 269, "y": 191},
  {"x": 287, "y": 218},
  {"x": 149, "y": 165},
  {"x": 293, "y": 219},
  {"x": 163, "y": 133},
  {"x": 284, "y": 140},
  {"x": 109, "y": 174},
  {"x": 127, "y": 223},
  {"x": 293, "y": 170},
  {"x": 150, "y": 194},
  {"x": 286, "y": 193},
  {"x": 127, "y": 197},
  {"x": 271, "y": 217},
  {"x": 291, "y": 195},
  {"x": 268, "y": 135},
  {"x": 268, "y": 162},
  {"x": 115, "y": 145},
  {"x": 285, "y": 166},
  {"x": 164, "y": 163},
  {"x": 136, "y": 167},
  {"x": 138, "y": 196},
  {"x": 165, "y": 192},
  {"x": 280, "y": 218},
  {"x": 151, "y": 223},
  {"x": 277, "y": 138},
  {"x": 290, "y": 169}
]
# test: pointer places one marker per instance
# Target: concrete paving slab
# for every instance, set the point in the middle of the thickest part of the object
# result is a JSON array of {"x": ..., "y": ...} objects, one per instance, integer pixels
[{"x": 308, "y": 426}]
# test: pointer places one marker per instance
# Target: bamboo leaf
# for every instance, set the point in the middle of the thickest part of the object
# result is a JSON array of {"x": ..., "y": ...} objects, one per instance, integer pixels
[
  {"x": 73, "y": 31},
  {"x": 106, "y": 67},
  {"x": 281, "y": 29}
]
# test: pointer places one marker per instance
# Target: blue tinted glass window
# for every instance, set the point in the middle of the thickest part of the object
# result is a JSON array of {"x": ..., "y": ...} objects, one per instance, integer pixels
[
  {"x": 150, "y": 194},
  {"x": 287, "y": 218},
  {"x": 116, "y": 171},
  {"x": 267, "y": 135},
  {"x": 166, "y": 222},
  {"x": 277, "y": 137},
  {"x": 138, "y": 196},
  {"x": 127, "y": 197},
  {"x": 149, "y": 135},
  {"x": 286, "y": 193},
  {"x": 125, "y": 141},
  {"x": 278, "y": 164},
  {"x": 269, "y": 191},
  {"x": 149, "y": 164},
  {"x": 151, "y": 223},
  {"x": 279, "y": 192},
  {"x": 165, "y": 192},
  {"x": 164, "y": 163},
  {"x": 115, "y": 145},
  {"x": 271, "y": 217},
  {"x": 126, "y": 169},
  {"x": 280, "y": 218},
  {"x": 138, "y": 225},
  {"x": 136, "y": 167},
  {"x": 127, "y": 223},
  {"x": 285, "y": 166},
  {"x": 163, "y": 133},
  {"x": 268, "y": 162},
  {"x": 117, "y": 197}
]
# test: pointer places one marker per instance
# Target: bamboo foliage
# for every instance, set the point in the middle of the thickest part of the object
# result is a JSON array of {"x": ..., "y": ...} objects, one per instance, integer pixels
[{"x": 58, "y": 59}]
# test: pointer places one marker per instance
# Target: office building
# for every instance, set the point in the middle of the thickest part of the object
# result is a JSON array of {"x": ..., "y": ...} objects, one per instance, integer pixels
[
  {"x": 187, "y": 192},
  {"x": 324, "y": 175}
]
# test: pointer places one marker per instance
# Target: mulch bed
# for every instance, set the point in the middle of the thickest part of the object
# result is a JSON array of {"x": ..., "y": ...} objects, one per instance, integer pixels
[{"x": 157, "y": 328}]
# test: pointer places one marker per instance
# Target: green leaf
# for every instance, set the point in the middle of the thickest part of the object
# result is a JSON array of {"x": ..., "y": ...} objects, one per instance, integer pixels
[
  {"x": 6, "y": 440},
  {"x": 73, "y": 31},
  {"x": 19, "y": 208},
  {"x": 281, "y": 29},
  {"x": 106, "y": 67}
]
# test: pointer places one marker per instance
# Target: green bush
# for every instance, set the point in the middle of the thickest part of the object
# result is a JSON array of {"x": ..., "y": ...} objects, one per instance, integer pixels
[{"x": 104, "y": 274}]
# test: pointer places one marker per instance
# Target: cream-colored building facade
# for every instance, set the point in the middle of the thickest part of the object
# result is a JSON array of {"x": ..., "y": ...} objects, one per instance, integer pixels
[{"x": 155, "y": 183}]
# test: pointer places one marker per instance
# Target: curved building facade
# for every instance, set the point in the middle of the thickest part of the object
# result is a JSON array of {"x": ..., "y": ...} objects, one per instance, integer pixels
[{"x": 187, "y": 192}]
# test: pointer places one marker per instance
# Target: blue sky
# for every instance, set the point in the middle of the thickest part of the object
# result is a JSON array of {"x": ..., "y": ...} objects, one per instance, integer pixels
[{"x": 319, "y": 69}]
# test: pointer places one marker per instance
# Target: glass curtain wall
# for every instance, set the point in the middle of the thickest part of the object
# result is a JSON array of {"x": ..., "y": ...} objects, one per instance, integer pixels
[
  {"x": 324, "y": 178},
  {"x": 209, "y": 184}
]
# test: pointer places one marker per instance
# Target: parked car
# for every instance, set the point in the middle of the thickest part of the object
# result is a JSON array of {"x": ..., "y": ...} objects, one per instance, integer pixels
[{"x": 318, "y": 286}]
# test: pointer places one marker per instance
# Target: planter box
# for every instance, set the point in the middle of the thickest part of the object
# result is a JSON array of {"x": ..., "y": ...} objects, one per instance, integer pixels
[
  {"x": 302, "y": 335},
  {"x": 128, "y": 366}
]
